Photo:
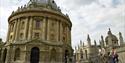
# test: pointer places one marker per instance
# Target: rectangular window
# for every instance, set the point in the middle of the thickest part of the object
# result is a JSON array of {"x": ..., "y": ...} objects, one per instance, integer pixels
[{"x": 37, "y": 25}]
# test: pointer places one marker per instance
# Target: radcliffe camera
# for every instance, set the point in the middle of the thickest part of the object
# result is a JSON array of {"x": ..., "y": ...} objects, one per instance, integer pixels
[{"x": 62, "y": 31}]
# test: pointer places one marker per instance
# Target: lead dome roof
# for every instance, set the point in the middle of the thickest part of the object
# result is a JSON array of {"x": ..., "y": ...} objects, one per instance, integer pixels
[{"x": 44, "y": 3}]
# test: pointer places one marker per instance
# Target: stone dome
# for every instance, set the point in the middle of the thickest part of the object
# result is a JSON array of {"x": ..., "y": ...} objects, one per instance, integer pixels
[
  {"x": 44, "y": 4},
  {"x": 112, "y": 37}
]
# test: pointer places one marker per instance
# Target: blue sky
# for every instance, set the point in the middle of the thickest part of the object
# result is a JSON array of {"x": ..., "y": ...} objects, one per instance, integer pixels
[{"x": 92, "y": 17}]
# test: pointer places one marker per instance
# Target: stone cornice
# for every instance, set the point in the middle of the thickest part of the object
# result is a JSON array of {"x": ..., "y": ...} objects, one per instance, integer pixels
[
  {"x": 38, "y": 42},
  {"x": 38, "y": 12}
]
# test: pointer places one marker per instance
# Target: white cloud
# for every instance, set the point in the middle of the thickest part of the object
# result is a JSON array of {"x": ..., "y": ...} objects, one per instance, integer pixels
[{"x": 92, "y": 17}]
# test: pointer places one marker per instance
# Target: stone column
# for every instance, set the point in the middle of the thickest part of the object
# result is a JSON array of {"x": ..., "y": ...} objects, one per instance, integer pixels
[
  {"x": 14, "y": 30},
  {"x": 8, "y": 34},
  {"x": 48, "y": 29},
  {"x": 26, "y": 28},
  {"x": 45, "y": 28},
  {"x": 70, "y": 36},
  {"x": 8, "y": 55},
  {"x": 17, "y": 29},
  {"x": 30, "y": 28},
  {"x": 58, "y": 31},
  {"x": 61, "y": 31}
]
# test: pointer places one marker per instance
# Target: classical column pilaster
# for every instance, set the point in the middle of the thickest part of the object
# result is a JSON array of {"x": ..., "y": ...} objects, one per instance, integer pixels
[
  {"x": 70, "y": 36},
  {"x": 58, "y": 30},
  {"x": 8, "y": 34},
  {"x": 48, "y": 29},
  {"x": 17, "y": 29},
  {"x": 26, "y": 28},
  {"x": 14, "y": 29},
  {"x": 45, "y": 28},
  {"x": 8, "y": 55},
  {"x": 30, "y": 28},
  {"x": 61, "y": 31}
]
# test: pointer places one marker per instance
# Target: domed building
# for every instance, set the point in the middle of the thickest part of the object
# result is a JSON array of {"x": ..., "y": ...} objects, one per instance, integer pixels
[
  {"x": 38, "y": 33},
  {"x": 111, "y": 40}
]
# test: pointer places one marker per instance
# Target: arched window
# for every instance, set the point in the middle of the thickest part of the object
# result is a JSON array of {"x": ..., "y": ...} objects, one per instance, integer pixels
[
  {"x": 17, "y": 54},
  {"x": 4, "y": 55},
  {"x": 53, "y": 55}
]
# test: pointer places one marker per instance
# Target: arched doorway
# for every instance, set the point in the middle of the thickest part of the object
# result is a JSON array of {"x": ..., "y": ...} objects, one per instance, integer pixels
[
  {"x": 34, "y": 57},
  {"x": 4, "y": 55}
]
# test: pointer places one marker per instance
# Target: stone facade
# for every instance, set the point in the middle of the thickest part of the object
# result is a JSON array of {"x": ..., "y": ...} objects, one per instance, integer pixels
[
  {"x": 90, "y": 53},
  {"x": 38, "y": 33}
]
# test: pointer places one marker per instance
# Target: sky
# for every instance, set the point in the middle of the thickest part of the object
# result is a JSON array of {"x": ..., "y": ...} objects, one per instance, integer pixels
[{"x": 93, "y": 17}]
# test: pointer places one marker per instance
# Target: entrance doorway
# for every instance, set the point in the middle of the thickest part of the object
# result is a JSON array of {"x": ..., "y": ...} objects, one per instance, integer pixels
[{"x": 34, "y": 57}]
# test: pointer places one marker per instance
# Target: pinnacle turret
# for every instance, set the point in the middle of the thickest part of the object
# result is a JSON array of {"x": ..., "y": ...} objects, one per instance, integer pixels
[{"x": 88, "y": 40}]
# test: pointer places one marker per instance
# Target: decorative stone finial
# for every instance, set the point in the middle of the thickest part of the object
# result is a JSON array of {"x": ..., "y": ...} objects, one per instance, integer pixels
[
  {"x": 24, "y": 6},
  {"x": 120, "y": 33},
  {"x": 109, "y": 32},
  {"x": 109, "y": 29},
  {"x": 88, "y": 38},
  {"x": 83, "y": 44},
  {"x": 75, "y": 48},
  {"x": 18, "y": 9},
  {"x": 80, "y": 42},
  {"x": 95, "y": 43},
  {"x": 12, "y": 12}
]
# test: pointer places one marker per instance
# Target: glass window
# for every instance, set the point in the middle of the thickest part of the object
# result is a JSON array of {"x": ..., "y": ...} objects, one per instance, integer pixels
[{"x": 37, "y": 25}]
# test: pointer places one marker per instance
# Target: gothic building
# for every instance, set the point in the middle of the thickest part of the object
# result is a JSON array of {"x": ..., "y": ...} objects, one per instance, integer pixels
[
  {"x": 38, "y": 32},
  {"x": 89, "y": 53}
]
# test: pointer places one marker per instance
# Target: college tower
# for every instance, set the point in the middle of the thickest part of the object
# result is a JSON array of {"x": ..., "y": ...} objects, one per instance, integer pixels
[{"x": 38, "y": 33}]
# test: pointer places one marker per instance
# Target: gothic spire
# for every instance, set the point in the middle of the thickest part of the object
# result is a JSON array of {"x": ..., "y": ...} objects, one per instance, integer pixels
[
  {"x": 95, "y": 43},
  {"x": 102, "y": 40},
  {"x": 80, "y": 42},
  {"x": 88, "y": 40},
  {"x": 83, "y": 44}
]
